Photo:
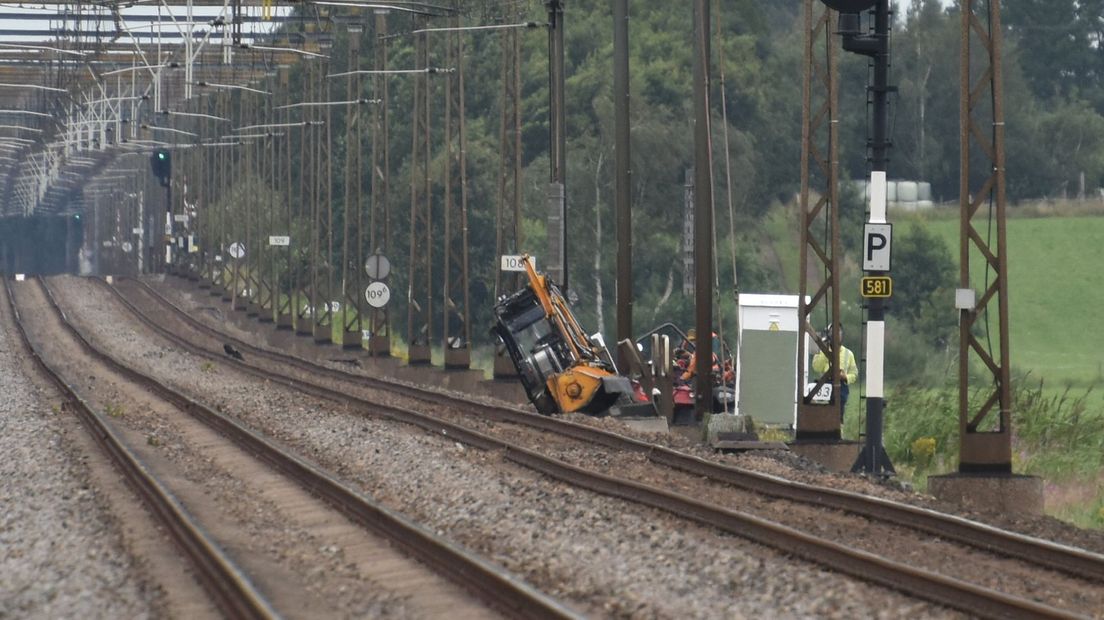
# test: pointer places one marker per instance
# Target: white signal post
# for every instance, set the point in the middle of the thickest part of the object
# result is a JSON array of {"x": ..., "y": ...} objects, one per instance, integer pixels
[
  {"x": 876, "y": 258},
  {"x": 877, "y": 245}
]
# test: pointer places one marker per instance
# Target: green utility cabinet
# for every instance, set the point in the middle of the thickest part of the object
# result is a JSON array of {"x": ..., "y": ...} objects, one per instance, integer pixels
[{"x": 766, "y": 379}]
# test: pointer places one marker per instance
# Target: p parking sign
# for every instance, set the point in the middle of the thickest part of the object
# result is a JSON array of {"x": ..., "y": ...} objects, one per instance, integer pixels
[{"x": 876, "y": 246}]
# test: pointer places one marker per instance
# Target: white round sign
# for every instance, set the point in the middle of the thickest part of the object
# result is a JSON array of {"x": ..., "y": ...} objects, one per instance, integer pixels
[
  {"x": 377, "y": 266},
  {"x": 237, "y": 249},
  {"x": 127, "y": 247},
  {"x": 377, "y": 294}
]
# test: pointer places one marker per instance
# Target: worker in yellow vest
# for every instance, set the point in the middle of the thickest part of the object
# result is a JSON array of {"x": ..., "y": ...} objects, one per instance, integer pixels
[{"x": 848, "y": 369}]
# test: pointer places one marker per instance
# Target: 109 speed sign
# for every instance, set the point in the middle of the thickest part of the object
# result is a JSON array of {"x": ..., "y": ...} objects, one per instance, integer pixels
[{"x": 377, "y": 294}]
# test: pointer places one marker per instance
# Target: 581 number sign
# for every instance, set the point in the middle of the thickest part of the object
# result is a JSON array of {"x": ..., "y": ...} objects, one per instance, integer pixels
[{"x": 877, "y": 286}]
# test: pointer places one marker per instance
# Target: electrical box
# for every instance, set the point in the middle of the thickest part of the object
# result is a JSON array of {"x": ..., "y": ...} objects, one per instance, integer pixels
[{"x": 767, "y": 379}]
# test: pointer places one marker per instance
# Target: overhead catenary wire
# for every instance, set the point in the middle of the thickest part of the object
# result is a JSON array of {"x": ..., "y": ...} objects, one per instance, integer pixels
[
  {"x": 195, "y": 115},
  {"x": 526, "y": 25},
  {"x": 34, "y": 87},
  {"x": 204, "y": 83},
  {"x": 294, "y": 50},
  {"x": 304, "y": 104},
  {"x": 43, "y": 48},
  {"x": 247, "y": 136},
  {"x": 27, "y": 112},
  {"x": 169, "y": 129},
  {"x": 373, "y": 6},
  {"x": 274, "y": 125},
  {"x": 429, "y": 70}
]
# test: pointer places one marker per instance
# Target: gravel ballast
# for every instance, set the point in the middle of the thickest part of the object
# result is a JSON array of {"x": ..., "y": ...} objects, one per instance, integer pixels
[
  {"x": 306, "y": 558},
  {"x": 62, "y": 554},
  {"x": 606, "y": 557},
  {"x": 784, "y": 464}
]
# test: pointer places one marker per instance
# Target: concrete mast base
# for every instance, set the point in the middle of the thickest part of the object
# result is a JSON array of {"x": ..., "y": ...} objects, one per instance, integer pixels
[
  {"x": 990, "y": 492},
  {"x": 838, "y": 455}
]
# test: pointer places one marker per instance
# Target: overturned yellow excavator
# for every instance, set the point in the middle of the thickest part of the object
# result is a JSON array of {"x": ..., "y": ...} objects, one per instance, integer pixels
[{"x": 563, "y": 370}]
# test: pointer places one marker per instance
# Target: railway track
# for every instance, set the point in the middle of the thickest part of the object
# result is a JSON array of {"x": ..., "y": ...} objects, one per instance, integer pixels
[
  {"x": 229, "y": 585},
  {"x": 924, "y": 584},
  {"x": 1062, "y": 558},
  {"x": 225, "y": 582}
]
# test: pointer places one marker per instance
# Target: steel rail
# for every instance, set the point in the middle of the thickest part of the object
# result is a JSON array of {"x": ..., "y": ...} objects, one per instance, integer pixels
[
  {"x": 488, "y": 582},
  {"x": 920, "y": 583},
  {"x": 228, "y": 586},
  {"x": 1063, "y": 558}
]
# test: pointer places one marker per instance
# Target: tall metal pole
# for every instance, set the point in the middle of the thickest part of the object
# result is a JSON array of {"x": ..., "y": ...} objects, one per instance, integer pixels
[
  {"x": 703, "y": 216},
  {"x": 873, "y": 458},
  {"x": 236, "y": 206},
  {"x": 819, "y": 178},
  {"x": 304, "y": 316},
  {"x": 288, "y": 308},
  {"x": 248, "y": 206},
  {"x": 352, "y": 246},
  {"x": 508, "y": 238},
  {"x": 379, "y": 343},
  {"x": 323, "y": 267},
  {"x": 985, "y": 434},
  {"x": 557, "y": 159},
  {"x": 456, "y": 330},
  {"x": 268, "y": 172},
  {"x": 623, "y": 172},
  {"x": 273, "y": 152},
  {"x": 419, "y": 315},
  {"x": 316, "y": 170}
]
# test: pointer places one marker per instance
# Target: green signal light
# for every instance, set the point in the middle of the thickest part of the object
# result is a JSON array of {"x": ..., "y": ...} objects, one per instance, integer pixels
[{"x": 161, "y": 156}]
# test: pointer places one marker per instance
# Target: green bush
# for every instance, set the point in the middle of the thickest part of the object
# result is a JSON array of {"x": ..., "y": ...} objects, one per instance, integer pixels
[{"x": 1058, "y": 435}]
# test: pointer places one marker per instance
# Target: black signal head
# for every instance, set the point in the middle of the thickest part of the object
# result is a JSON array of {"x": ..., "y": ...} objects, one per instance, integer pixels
[{"x": 850, "y": 6}]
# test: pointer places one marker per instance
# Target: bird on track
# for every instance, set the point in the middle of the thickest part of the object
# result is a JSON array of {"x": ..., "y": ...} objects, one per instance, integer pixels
[{"x": 232, "y": 352}]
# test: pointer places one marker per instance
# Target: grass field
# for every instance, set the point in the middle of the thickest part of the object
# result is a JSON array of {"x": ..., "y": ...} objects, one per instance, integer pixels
[{"x": 1056, "y": 292}]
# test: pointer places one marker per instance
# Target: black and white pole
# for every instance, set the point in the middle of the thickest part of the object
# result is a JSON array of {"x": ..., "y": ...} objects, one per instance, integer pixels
[{"x": 876, "y": 285}]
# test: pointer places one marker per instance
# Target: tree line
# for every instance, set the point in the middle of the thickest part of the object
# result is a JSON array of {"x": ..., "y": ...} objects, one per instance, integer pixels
[{"x": 1053, "y": 103}]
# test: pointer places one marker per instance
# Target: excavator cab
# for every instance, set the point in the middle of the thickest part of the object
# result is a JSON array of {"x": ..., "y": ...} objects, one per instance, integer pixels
[{"x": 562, "y": 369}]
